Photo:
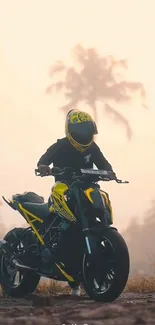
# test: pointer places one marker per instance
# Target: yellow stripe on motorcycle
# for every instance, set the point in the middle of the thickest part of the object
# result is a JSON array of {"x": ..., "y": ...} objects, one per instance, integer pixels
[
  {"x": 27, "y": 214},
  {"x": 30, "y": 214},
  {"x": 105, "y": 196},
  {"x": 51, "y": 209},
  {"x": 67, "y": 276},
  {"x": 108, "y": 203},
  {"x": 88, "y": 192}
]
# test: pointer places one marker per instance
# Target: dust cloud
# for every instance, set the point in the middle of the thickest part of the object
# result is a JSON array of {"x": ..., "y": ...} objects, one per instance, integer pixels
[{"x": 139, "y": 237}]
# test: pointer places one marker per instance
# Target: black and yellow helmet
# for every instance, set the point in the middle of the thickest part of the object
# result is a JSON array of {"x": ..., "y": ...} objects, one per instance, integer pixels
[{"x": 80, "y": 129}]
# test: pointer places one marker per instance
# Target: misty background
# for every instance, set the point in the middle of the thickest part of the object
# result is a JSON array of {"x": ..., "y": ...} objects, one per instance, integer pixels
[{"x": 116, "y": 85}]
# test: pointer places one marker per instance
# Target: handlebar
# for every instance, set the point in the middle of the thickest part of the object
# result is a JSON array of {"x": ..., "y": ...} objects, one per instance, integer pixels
[{"x": 83, "y": 174}]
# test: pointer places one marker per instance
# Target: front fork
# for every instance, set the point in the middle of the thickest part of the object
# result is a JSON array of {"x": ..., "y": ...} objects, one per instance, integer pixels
[{"x": 89, "y": 239}]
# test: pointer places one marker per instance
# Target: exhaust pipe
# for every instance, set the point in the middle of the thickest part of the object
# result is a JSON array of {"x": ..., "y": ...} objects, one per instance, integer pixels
[{"x": 7, "y": 252}]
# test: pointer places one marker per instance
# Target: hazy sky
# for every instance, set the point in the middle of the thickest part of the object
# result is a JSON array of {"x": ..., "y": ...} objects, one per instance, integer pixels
[{"x": 33, "y": 34}]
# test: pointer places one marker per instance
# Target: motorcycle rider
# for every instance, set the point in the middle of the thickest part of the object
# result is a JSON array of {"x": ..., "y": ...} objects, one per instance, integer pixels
[{"x": 77, "y": 150}]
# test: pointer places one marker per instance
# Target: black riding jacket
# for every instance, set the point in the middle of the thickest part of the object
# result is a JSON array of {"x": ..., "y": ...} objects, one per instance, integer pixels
[{"x": 63, "y": 154}]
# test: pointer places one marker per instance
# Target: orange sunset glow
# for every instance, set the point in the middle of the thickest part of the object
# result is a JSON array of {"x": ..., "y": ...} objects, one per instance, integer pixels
[{"x": 36, "y": 33}]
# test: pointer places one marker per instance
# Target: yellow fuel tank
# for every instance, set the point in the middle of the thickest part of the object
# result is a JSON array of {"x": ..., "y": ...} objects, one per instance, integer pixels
[{"x": 59, "y": 198}]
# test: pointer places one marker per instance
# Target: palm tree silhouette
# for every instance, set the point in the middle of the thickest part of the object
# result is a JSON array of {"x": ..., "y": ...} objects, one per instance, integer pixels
[{"x": 94, "y": 80}]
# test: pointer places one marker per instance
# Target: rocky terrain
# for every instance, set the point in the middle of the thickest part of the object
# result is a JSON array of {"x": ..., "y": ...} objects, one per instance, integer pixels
[{"x": 46, "y": 310}]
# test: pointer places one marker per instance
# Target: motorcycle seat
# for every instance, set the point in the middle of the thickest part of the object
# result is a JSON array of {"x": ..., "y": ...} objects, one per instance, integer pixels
[
  {"x": 40, "y": 210},
  {"x": 31, "y": 197}
]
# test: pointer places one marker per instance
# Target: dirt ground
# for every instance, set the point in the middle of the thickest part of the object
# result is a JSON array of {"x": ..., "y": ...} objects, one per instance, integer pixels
[{"x": 44, "y": 310}]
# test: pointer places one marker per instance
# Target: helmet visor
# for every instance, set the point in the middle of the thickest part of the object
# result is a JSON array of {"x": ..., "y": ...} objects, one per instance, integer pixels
[{"x": 82, "y": 132}]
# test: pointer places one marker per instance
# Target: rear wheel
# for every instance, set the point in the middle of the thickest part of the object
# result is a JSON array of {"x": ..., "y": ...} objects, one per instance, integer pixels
[
  {"x": 13, "y": 282},
  {"x": 106, "y": 273}
]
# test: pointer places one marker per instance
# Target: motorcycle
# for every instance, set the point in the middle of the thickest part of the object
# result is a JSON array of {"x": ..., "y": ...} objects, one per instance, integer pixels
[{"x": 69, "y": 238}]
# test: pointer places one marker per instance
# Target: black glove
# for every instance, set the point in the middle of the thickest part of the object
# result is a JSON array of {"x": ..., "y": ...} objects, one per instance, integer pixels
[
  {"x": 44, "y": 170},
  {"x": 113, "y": 175},
  {"x": 110, "y": 175}
]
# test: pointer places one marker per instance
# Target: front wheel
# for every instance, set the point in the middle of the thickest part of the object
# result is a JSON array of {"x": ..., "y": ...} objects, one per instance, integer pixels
[
  {"x": 14, "y": 283},
  {"x": 105, "y": 274}
]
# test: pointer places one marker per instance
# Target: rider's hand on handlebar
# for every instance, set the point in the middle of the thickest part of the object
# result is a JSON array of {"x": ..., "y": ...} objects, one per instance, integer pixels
[
  {"x": 114, "y": 175},
  {"x": 110, "y": 175},
  {"x": 44, "y": 170}
]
